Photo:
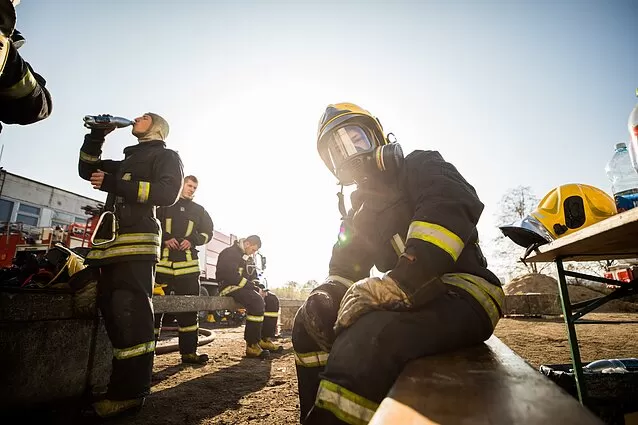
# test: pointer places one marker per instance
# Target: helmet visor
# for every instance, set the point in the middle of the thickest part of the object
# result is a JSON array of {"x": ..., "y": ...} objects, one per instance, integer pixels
[
  {"x": 527, "y": 231},
  {"x": 342, "y": 143}
]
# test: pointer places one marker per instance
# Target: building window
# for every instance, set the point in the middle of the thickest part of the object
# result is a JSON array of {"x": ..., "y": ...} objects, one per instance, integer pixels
[
  {"x": 28, "y": 209},
  {"x": 28, "y": 214},
  {"x": 6, "y": 208},
  {"x": 61, "y": 219}
]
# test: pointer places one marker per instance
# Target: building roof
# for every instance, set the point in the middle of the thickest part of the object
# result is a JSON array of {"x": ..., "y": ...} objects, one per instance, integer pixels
[{"x": 2, "y": 170}]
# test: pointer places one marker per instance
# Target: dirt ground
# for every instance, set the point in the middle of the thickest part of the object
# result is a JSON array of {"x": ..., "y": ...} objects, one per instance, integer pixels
[
  {"x": 231, "y": 389},
  {"x": 234, "y": 390}
]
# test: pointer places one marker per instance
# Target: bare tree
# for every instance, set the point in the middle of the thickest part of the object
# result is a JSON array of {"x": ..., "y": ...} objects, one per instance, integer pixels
[{"x": 515, "y": 204}]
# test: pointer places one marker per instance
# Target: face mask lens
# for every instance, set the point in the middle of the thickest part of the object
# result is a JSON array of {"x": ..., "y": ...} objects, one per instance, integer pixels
[{"x": 345, "y": 142}]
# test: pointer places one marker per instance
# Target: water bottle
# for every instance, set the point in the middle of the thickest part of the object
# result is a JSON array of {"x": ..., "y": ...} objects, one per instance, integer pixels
[
  {"x": 613, "y": 366},
  {"x": 624, "y": 179},
  {"x": 106, "y": 121},
  {"x": 632, "y": 124}
]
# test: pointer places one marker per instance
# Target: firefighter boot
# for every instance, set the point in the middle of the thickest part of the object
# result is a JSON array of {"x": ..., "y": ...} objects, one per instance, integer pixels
[
  {"x": 267, "y": 344},
  {"x": 116, "y": 408},
  {"x": 195, "y": 358},
  {"x": 254, "y": 350}
]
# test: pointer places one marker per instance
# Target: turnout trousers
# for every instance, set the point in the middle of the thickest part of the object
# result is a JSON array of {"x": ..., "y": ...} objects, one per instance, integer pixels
[
  {"x": 188, "y": 322},
  {"x": 346, "y": 385},
  {"x": 124, "y": 298},
  {"x": 254, "y": 304},
  {"x": 271, "y": 316}
]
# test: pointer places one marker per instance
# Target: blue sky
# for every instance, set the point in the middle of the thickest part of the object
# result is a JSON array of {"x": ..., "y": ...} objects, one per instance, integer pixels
[{"x": 511, "y": 92}]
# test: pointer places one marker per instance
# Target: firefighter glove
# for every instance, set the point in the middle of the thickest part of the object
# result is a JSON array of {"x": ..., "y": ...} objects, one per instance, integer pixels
[{"x": 372, "y": 293}]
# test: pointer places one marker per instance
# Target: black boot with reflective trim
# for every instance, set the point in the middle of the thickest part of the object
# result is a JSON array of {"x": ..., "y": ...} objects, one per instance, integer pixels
[{"x": 195, "y": 358}]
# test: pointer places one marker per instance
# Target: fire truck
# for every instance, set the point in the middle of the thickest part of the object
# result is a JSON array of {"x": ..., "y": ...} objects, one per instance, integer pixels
[{"x": 17, "y": 239}]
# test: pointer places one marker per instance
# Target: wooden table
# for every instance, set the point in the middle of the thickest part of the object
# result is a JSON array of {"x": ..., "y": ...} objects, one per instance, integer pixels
[{"x": 611, "y": 239}]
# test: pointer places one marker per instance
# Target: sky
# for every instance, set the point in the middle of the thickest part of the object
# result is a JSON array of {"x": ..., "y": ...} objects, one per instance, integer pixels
[{"x": 532, "y": 93}]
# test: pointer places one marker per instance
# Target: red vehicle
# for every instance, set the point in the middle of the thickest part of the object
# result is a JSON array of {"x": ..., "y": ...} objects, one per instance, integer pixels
[
  {"x": 622, "y": 273},
  {"x": 16, "y": 238}
]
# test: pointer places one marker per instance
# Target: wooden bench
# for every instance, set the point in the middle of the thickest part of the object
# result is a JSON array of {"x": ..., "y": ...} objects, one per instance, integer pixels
[
  {"x": 184, "y": 303},
  {"x": 485, "y": 384}
]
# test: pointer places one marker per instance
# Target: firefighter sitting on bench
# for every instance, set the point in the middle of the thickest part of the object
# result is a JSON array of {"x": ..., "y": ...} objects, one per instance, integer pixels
[{"x": 237, "y": 277}]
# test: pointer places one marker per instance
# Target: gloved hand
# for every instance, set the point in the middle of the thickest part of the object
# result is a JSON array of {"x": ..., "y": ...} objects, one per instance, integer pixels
[
  {"x": 318, "y": 313},
  {"x": 158, "y": 289},
  {"x": 372, "y": 293},
  {"x": 100, "y": 133},
  {"x": 17, "y": 39}
]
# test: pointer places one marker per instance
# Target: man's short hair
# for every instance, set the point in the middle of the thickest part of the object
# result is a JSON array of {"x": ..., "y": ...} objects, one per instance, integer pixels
[
  {"x": 191, "y": 178},
  {"x": 255, "y": 240}
]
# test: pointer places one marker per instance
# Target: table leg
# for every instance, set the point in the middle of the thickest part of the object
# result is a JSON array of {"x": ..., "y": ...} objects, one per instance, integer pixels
[{"x": 571, "y": 333}]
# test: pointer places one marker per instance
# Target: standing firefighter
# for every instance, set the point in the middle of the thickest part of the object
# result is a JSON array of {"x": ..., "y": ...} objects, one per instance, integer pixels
[
  {"x": 414, "y": 218},
  {"x": 23, "y": 98},
  {"x": 185, "y": 225},
  {"x": 126, "y": 249},
  {"x": 237, "y": 276}
]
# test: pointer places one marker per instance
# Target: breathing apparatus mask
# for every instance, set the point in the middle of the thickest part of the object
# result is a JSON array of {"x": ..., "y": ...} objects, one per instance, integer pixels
[{"x": 352, "y": 144}]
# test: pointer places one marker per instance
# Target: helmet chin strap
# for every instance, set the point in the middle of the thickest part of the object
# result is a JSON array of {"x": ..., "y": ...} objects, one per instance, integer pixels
[
  {"x": 342, "y": 204},
  {"x": 529, "y": 250}
]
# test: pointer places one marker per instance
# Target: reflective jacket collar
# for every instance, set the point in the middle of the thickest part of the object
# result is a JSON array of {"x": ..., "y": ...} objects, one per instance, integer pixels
[{"x": 140, "y": 147}]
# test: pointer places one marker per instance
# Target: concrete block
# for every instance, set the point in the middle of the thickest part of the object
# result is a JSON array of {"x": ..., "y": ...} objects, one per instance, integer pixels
[
  {"x": 49, "y": 360},
  {"x": 287, "y": 315}
]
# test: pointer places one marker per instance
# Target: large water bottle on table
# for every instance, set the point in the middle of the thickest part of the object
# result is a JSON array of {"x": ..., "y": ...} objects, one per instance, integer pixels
[{"x": 624, "y": 179}]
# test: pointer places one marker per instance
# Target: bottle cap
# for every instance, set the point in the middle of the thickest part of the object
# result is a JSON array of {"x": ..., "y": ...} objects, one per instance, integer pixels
[{"x": 621, "y": 145}]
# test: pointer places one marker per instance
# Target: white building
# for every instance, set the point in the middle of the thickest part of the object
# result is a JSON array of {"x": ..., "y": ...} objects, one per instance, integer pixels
[{"x": 38, "y": 204}]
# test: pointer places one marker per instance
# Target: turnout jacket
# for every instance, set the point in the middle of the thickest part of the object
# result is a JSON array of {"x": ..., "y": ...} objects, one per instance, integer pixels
[
  {"x": 428, "y": 211},
  {"x": 185, "y": 220},
  {"x": 150, "y": 175},
  {"x": 235, "y": 269},
  {"x": 23, "y": 96}
]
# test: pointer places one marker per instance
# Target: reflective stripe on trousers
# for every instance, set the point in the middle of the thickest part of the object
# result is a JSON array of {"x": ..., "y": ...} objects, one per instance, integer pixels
[
  {"x": 313, "y": 359},
  {"x": 134, "y": 351},
  {"x": 344, "y": 404},
  {"x": 490, "y": 296}
]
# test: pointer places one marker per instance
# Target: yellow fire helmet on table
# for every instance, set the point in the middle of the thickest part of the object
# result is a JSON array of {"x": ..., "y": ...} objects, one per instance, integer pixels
[{"x": 564, "y": 210}]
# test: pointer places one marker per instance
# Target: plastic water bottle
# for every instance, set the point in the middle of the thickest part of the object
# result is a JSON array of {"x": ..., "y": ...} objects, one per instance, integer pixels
[
  {"x": 106, "y": 121},
  {"x": 624, "y": 179},
  {"x": 613, "y": 366},
  {"x": 632, "y": 124}
]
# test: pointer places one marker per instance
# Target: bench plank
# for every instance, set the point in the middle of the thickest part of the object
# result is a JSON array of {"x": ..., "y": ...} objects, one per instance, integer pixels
[
  {"x": 486, "y": 384},
  {"x": 186, "y": 303}
]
